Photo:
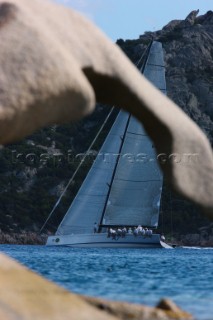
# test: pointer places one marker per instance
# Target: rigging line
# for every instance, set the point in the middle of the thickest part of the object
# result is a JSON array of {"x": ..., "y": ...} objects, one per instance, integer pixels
[
  {"x": 146, "y": 56},
  {"x": 171, "y": 214},
  {"x": 143, "y": 55},
  {"x": 161, "y": 210},
  {"x": 77, "y": 169},
  {"x": 113, "y": 174}
]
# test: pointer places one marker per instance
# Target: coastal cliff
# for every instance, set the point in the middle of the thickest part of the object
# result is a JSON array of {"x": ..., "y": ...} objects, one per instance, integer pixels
[{"x": 189, "y": 70}]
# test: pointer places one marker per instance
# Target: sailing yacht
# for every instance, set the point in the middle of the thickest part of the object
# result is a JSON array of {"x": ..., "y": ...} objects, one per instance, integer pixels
[{"x": 123, "y": 187}]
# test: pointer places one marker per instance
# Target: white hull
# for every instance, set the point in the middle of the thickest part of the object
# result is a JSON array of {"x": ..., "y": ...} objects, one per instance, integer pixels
[{"x": 100, "y": 240}]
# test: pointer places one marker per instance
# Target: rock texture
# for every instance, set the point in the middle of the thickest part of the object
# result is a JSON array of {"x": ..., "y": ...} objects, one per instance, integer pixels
[
  {"x": 166, "y": 309},
  {"x": 203, "y": 238},
  {"x": 22, "y": 238},
  {"x": 25, "y": 295},
  {"x": 188, "y": 53},
  {"x": 189, "y": 70},
  {"x": 62, "y": 71}
]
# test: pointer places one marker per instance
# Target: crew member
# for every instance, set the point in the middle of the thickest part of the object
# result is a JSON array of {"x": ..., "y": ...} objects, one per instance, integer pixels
[{"x": 95, "y": 227}]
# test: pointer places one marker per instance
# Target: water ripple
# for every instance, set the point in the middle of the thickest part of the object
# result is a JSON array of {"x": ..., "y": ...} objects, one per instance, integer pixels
[{"x": 139, "y": 276}]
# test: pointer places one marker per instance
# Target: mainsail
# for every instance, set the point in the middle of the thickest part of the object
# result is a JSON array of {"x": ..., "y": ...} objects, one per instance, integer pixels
[{"x": 123, "y": 187}]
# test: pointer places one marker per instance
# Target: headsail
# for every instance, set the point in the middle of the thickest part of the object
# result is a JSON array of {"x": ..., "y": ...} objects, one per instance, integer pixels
[
  {"x": 129, "y": 195},
  {"x": 88, "y": 205}
]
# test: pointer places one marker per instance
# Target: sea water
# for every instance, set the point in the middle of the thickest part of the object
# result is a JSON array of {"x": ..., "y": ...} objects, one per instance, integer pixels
[{"x": 144, "y": 276}]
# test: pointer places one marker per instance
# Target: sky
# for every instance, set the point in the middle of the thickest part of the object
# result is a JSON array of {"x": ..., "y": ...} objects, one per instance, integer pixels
[{"x": 127, "y": 19}]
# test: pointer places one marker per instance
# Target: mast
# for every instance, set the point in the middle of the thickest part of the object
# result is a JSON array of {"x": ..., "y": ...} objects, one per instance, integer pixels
[
  {"x": 135, "y": 191},
  {"x": 144, "y": 58},
  {"x": 114, "y": 171}
]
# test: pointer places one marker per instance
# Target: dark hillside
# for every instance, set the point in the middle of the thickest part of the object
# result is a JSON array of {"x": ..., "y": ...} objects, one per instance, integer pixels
[{"x": 35, "y": 171}]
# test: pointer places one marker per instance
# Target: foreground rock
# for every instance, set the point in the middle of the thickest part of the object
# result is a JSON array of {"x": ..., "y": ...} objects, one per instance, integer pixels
[
  {"x": 54, "y": 75},
  {"x": 25, "y": 295},
  {"x": 166, "y": 309}
]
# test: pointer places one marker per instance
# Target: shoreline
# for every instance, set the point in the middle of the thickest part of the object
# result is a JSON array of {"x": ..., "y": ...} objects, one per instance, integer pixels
[
  {"x": 23, "y": 238},
  {"x": 33, "y": 238}
]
